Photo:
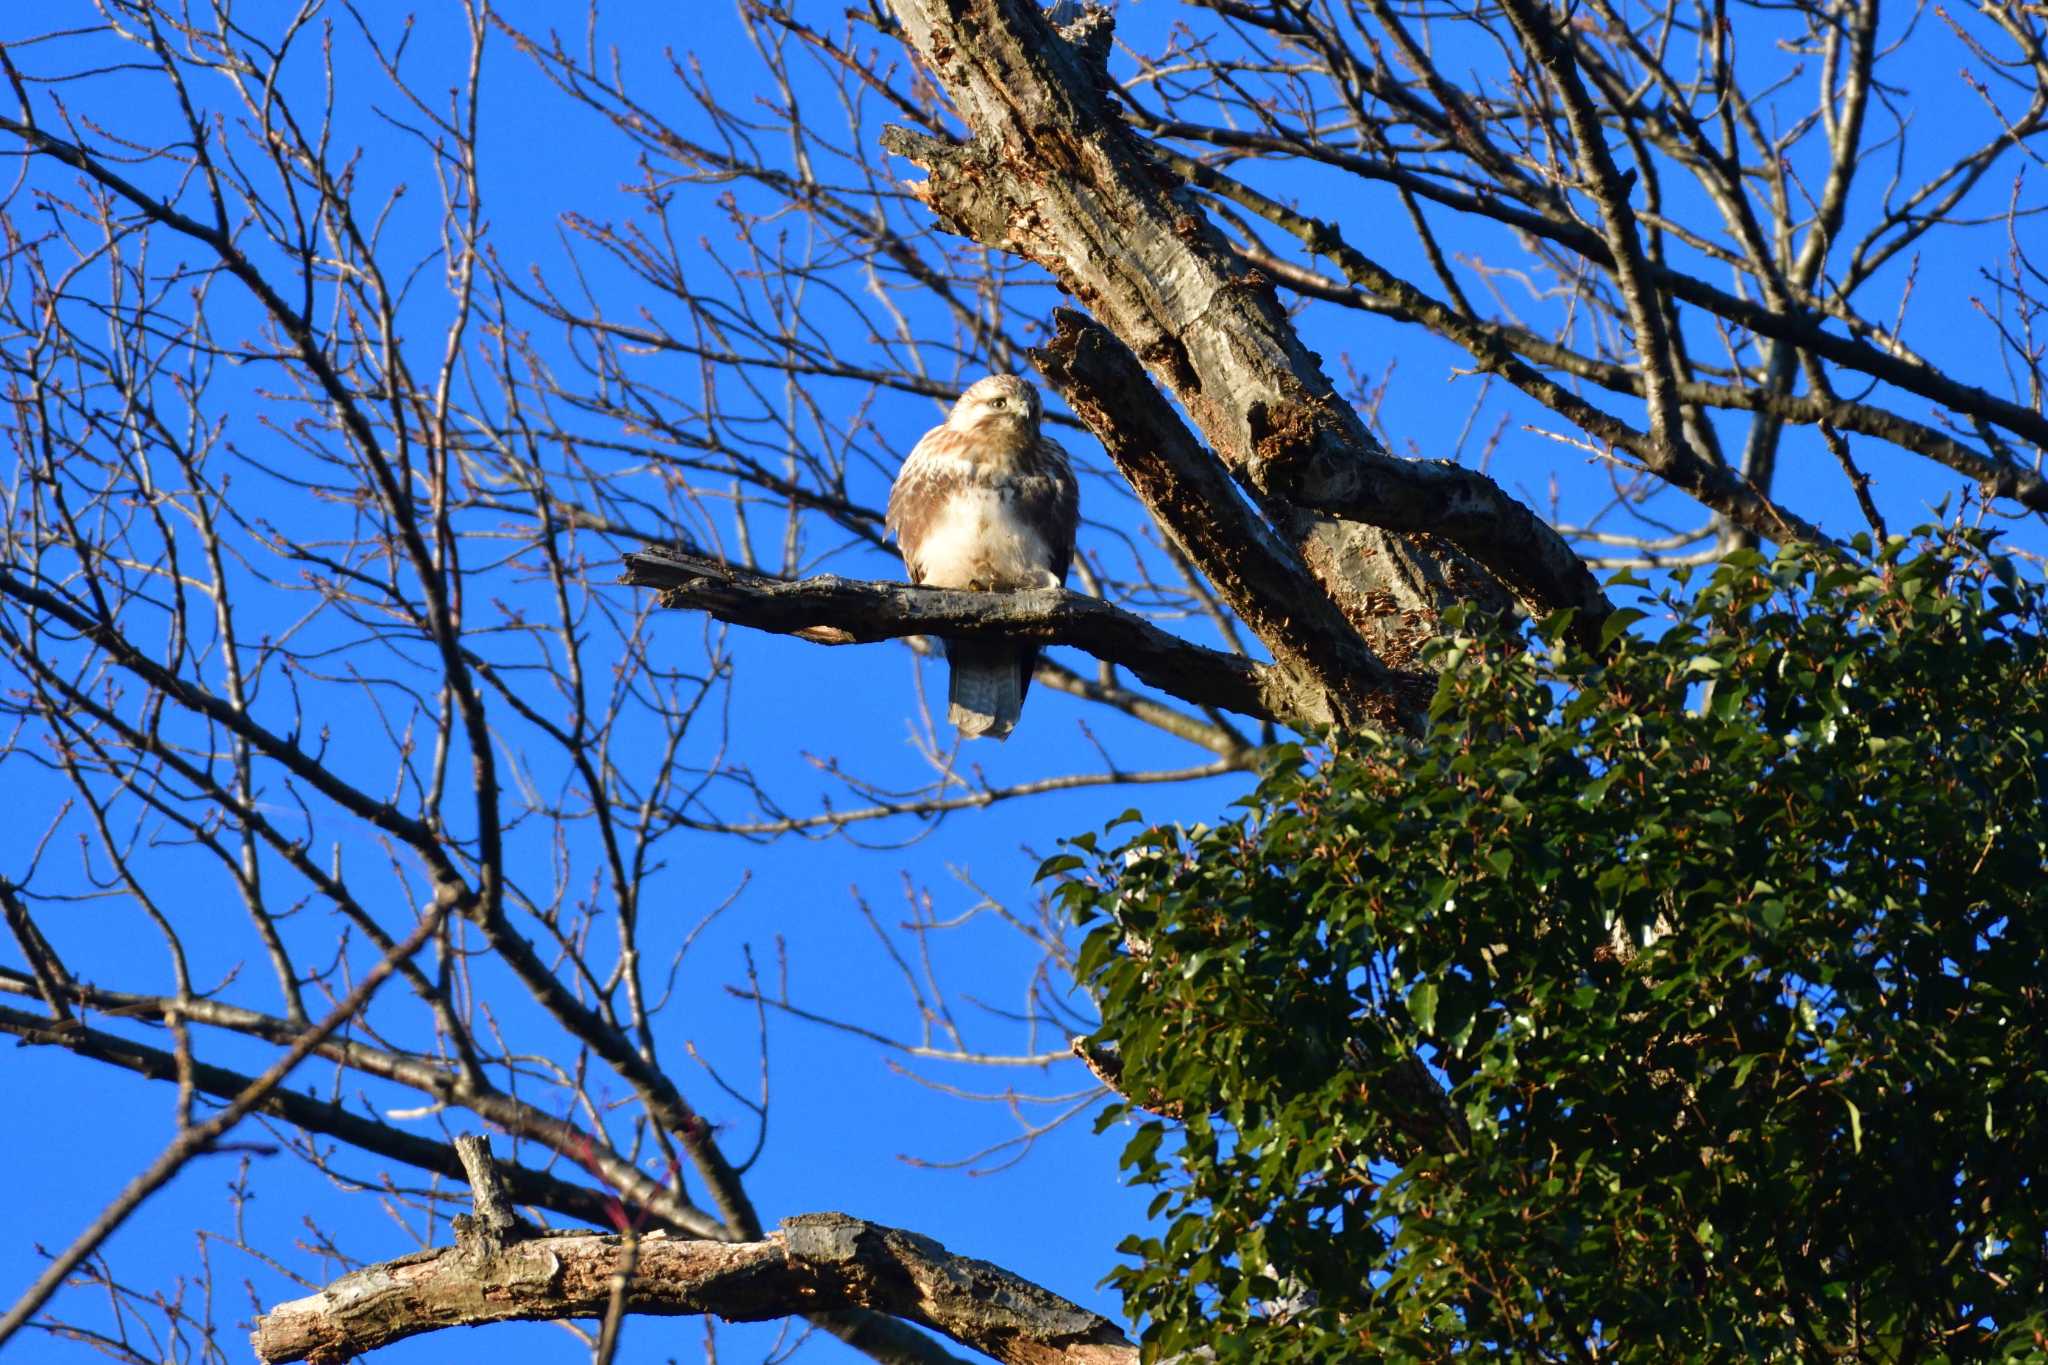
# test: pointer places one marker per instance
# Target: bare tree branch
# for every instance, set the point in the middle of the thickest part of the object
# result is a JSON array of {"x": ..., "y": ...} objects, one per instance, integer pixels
[
  {"x": 837, "y": 611},
  {"x": 536, "y": 1189},
  {"x": 194, "y": 1139},
  {"x": 325, "y": 462},
  {"x": 812, "y": 1263},
  {"x": 1191, "y": 496},
  {"x": 1056, "y": 176}
]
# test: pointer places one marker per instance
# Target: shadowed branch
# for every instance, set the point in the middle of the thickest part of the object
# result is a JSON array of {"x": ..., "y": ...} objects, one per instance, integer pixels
[{"x": 837, "y": 611}]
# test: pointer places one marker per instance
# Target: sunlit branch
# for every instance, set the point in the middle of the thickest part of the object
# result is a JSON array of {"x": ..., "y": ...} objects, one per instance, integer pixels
[{"x": 813, "y": 1262}]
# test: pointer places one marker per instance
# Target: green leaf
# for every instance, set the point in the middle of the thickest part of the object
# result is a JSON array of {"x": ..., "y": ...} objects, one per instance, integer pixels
[
  {"x": 1057, "y": 864},
  {"x": 1401, "y": 952},
  {"x": 1617, "y": 623},
  {"x": 1422, "y": 1006}
]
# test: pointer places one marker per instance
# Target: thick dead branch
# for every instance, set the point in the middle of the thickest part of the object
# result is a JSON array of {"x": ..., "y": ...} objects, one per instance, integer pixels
[
  {"x": 1055, "y": 175},
  {"x": 1610, "y": 189},
  {"x": 1192, "y": 497},
  {"x": 1106, "y": 1066},
  {"x": 839, "y": 611},
  {"x": 815, "y": 1262},
  {"x": 881, "y": 1337},
  {"x": 49, "y": 971}
]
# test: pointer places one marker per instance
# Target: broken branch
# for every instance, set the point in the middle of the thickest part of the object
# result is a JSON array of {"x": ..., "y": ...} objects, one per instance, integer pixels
[
  {"x": 837, "y": 611},
  {"x": 812, "y": 1263}
]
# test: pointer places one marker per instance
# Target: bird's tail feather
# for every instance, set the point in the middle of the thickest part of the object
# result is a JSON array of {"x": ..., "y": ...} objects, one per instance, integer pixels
[{"x": 987, "y": 688}]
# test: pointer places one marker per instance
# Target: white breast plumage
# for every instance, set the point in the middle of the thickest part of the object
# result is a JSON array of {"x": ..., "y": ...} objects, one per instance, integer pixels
[{"x": 979, "y": 539}]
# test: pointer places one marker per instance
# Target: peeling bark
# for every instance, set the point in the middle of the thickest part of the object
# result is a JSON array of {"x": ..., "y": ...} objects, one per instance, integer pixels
[
  {"x": 1340, "y": 557},
  {"x": 1055, "y": 175},
  {"x": 1191, "y": 496},
  {"x": 814, "y": 1263}
]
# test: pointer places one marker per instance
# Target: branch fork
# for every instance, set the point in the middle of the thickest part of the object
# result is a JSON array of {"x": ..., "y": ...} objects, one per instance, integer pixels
[
  {"x": 504, "y": 1270},
  {"x": 838, "y": 611}
]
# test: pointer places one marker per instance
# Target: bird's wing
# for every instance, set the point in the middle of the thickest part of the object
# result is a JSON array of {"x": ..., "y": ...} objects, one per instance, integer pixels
[
  {"x": 1055, "y": 504},
  {"x": 919, "y": 495}
]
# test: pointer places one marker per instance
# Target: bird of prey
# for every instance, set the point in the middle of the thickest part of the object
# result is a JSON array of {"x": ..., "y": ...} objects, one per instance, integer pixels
[{"x": 986, "y": 502}]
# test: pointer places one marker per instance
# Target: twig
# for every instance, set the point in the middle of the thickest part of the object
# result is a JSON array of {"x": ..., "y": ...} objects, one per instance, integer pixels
[{"x": 199, "y": 1137}]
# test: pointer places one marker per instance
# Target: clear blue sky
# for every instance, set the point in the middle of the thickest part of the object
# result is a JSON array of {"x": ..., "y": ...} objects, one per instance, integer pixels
[{"x": 842, "y": 1120}]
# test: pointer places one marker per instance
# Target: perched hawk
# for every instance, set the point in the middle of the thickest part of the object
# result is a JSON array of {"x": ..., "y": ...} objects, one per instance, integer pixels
[{"x": 985, "y": 502}]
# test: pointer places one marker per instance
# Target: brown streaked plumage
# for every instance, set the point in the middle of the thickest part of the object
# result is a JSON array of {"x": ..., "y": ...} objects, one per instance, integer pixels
[{"x": 986, "y": 502}]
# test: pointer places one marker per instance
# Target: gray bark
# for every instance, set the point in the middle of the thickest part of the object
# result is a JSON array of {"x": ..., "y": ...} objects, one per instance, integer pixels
[
  {"x": 816, "y": 1263},
  {"x": 1054, "y": 174}
]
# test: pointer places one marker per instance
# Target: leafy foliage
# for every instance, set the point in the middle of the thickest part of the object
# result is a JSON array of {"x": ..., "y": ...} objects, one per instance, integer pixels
[{"x": 1686, "y": 1003}]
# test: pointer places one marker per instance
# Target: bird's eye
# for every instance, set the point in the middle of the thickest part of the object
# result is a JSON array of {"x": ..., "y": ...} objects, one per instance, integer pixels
[{"x": 998, "y": 402}]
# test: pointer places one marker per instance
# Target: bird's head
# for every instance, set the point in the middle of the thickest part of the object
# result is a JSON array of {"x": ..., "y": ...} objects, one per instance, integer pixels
[{"x": 1001, "y": 401}]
